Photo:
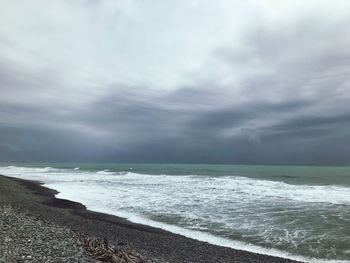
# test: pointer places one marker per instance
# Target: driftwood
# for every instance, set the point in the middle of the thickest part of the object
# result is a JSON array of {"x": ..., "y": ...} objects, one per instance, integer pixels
[{"x": 102, "y": 250}]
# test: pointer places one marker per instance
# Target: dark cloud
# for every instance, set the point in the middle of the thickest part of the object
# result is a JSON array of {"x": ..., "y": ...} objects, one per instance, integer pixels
[
  {"x": 165, "y": 129},
  {"x": 292, "y": 107}
]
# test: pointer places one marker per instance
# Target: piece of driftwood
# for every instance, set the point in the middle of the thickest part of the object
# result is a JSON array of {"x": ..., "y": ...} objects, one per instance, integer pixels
[{"x": 102, "y": 250}]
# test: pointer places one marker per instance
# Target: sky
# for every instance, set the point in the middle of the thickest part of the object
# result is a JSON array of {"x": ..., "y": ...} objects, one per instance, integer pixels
[{"x": 188, "y": 81}]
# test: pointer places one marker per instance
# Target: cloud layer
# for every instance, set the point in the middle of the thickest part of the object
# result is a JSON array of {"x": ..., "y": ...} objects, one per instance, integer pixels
[{"x": 184, "y": 81}]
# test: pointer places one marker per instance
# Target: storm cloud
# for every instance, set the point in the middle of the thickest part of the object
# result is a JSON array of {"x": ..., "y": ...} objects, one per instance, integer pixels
[{"x": 260, "y": 82}]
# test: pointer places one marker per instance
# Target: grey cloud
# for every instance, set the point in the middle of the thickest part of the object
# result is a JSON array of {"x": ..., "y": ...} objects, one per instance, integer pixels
[
  {"x": 306, "y": 122},
  {"x": 293, "y": 108},
  {"x": 307, "y": 58},
  {"x": 142, "y": 129}
]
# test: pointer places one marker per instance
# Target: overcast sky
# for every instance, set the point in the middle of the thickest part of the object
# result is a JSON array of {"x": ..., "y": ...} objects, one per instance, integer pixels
[{"x": 264, "y": 81}]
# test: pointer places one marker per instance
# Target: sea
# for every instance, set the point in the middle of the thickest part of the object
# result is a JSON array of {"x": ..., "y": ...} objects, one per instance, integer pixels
[{"x": 297, "y": 212}]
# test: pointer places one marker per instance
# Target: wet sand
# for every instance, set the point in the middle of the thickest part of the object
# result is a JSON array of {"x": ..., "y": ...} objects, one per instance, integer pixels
[{"x": 154, "y": 245}]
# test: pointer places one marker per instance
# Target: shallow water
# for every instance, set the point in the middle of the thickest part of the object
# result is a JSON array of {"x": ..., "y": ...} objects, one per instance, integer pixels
[{"x": 292, "y": 211}]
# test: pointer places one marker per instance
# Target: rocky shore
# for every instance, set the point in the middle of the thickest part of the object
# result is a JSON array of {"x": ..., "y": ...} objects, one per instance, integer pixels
[
  {"x": 24, "y": 238},
  {"x": 36, "y": 226}
]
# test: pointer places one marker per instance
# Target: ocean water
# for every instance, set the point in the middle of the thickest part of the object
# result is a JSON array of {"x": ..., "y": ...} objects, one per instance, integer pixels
[{"x": 298, "y": 212}]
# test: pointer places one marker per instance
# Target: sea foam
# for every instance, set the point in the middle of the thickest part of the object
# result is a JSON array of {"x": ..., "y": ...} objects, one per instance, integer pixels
[{"x": 250, "y": 214}]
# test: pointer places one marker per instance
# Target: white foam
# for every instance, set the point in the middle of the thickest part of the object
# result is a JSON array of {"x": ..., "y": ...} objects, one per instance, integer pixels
[
  {"x": 205, "y": 237},
  {"x": 105, "y": 172}
]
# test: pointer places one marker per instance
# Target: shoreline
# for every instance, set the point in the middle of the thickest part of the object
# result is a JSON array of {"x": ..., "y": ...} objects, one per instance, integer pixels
[{"x": 153, "y": 244}]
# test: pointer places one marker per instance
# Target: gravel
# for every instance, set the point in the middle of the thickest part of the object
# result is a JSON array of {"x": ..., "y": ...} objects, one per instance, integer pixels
[{"x": 24, "y": 238}]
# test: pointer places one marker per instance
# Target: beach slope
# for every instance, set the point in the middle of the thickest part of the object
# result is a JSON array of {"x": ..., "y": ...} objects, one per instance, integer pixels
[{"x": 154, "y": 245}]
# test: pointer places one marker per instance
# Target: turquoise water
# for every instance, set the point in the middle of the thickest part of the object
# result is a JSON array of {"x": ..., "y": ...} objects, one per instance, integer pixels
[
  {"x": 320, "y": 175},
  {"x": 290, "y": 210}
]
